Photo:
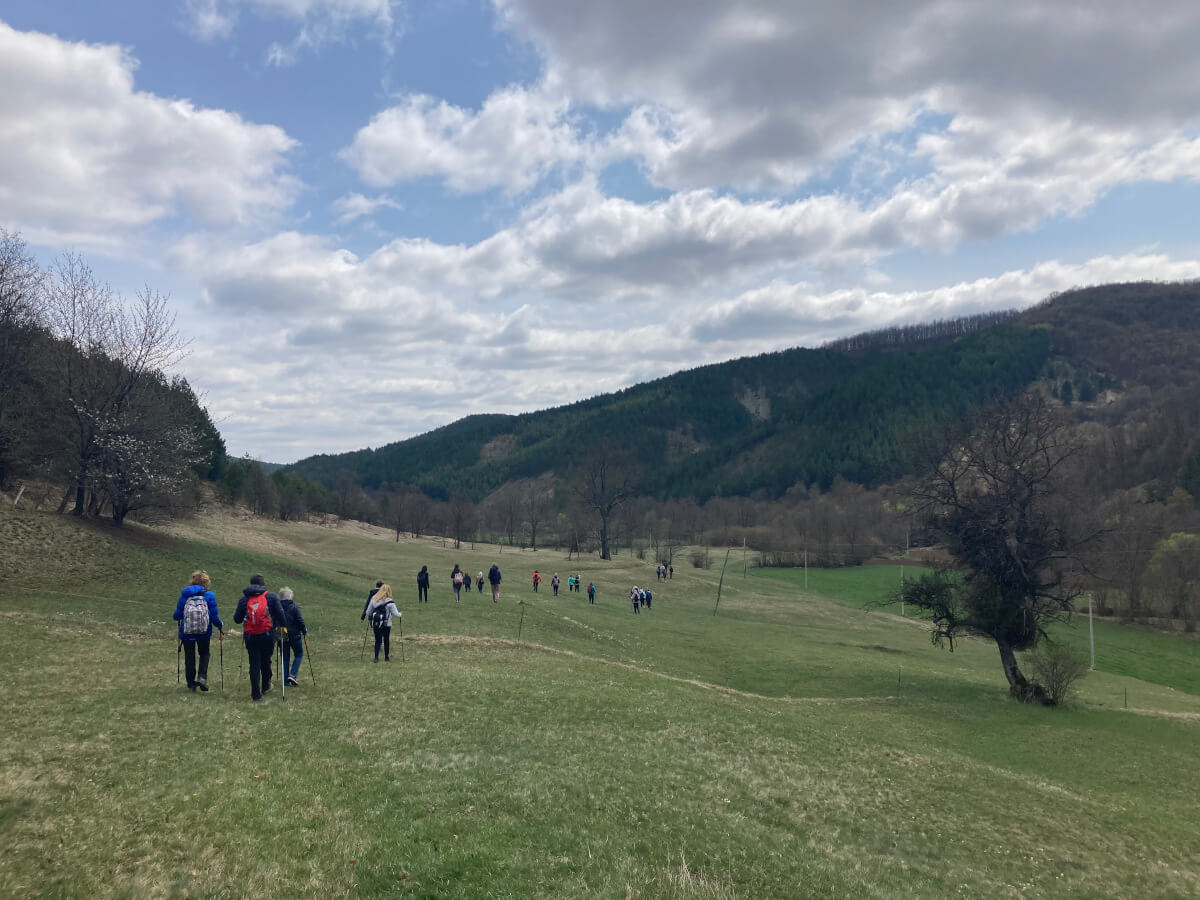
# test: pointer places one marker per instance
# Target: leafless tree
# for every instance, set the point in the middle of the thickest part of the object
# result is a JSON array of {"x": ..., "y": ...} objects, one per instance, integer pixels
[
  {"x": 111, "y": 350},
  {"x": 1000, "y": 496},
  {"x": 603, "y": 480}
]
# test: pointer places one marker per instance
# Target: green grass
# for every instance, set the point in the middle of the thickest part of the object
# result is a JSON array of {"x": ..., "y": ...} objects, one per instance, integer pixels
[{"x": 794, "y": 745}]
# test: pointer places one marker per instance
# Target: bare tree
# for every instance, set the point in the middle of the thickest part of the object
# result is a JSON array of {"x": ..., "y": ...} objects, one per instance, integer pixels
[
  {"x": 535, "y": 503},
  {"x": 603, "y": 481},
  {"x": 111, "y": 349},
  {"x": 461, "y": 515},
  {"x": 1001, "y": 498}
]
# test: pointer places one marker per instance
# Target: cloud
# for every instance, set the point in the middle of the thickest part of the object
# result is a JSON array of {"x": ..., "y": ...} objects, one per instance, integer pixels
[
  {"x": 513, "y": 141},
  {"x": 807, "y": 315},
  {"x": 320, "y": 22},
  {"x": 87, "y": 158},
  {"x": 354, "y": 206},
  {"x": 762, "y": 94}
]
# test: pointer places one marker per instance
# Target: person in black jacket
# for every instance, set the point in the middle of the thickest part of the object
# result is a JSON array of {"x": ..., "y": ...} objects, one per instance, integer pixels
[
  {"x": 293, "y": 642},
  {"x": 258, "y": 625},
  {"x": 370, "y": 597},
  {"x": 494, "y": 581},
  {"x": 422, "y": 585}
]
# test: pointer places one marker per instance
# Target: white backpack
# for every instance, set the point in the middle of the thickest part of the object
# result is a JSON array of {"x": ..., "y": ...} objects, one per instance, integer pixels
[{"x": 195, "y": 615}]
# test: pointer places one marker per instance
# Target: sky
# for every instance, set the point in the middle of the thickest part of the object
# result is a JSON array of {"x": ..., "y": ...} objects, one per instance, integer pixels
[{"x": 374, "y": 217}]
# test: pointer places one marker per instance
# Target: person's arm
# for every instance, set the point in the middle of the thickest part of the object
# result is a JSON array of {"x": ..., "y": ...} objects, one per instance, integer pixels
[
  {"x": 239, "y": 614},
  {"x": 213, "y": 616},
  {"x": 300, "y": 621},
  {"x": 275, "y": 608}
]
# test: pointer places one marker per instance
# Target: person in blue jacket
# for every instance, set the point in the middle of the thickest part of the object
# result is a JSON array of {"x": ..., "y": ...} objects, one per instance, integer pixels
[{"x": 196, "y": 621}]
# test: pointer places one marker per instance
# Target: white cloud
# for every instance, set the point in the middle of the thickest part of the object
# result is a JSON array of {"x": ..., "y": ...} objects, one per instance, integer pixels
[
  {"x": 353, "y": 206},
  {"x": 85, "y": 157},
  {"x": 760, "y": 94},
  {"x": 320, "y": 21},
  {"x": 513, "y": 141}
]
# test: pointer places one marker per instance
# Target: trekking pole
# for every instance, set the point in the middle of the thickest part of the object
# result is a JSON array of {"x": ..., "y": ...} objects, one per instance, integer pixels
[
  {"x": 282, "y": 669},
  {"x": 308, "y": 653},
  {"x": 178, "y": 657},
  {"x": 401, "y": 618},
  {"x": 221, "y": 645},
  {"x": 362, "y": 653}
]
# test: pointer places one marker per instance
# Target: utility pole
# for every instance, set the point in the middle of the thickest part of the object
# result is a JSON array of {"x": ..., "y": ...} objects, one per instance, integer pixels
[
  {"x": 902, "y": 587},
  {"x": 1091, "y": 633}
]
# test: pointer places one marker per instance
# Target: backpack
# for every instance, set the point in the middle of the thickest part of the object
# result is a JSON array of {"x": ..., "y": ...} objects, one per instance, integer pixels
[
  {"x": 195, "y": 615},
  {"x": 258, "y": 615},
  {"x": 648, "y": 596},
  {"x": 458, "y": 579},
  {"x": 379, "y": 616}
]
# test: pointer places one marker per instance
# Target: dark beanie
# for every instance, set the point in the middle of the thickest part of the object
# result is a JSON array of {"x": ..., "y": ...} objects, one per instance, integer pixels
[{"x": 258, "y": 579}]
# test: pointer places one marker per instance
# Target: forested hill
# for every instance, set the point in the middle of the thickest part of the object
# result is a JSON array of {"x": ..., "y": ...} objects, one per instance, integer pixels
[{"x": 853, "y": 409}]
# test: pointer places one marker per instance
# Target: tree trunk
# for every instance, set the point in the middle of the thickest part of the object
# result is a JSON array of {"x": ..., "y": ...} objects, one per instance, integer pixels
[
  {"x": 604, "y": 538},
  {"x": 1018, "y": 686}
]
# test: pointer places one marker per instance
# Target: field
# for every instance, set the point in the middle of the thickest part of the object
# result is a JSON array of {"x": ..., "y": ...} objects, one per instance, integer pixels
[{"x": 798, "y": 744}]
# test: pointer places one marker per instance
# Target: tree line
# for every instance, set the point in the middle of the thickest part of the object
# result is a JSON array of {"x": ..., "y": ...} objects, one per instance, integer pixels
[{"x": 86, "y": 405}]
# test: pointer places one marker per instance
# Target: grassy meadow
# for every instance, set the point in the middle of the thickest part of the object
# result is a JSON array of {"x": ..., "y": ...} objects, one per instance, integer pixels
[{"x": 800, "y": 743}]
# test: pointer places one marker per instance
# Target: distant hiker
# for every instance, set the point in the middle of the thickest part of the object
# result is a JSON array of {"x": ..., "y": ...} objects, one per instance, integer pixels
[
  {"x": 456, "y": 579},
  {"x": 591, "y": 593},
  {"x": 636, "y": 598},
  {"x": 381, "y": 609},
  {"x": 423, "y": 585},
  {"x": 259, "y": 613},
  {"x": 196, "y": 613},
  {"x": 370, "y": 594},
  {"x": 293, "y": 641},
  {"x": 479, "y": 581},
  {"x": 670, "y": 571},
  {"x": 659, "y": 573},
  {"x": 570, "y": 583},
  {"x": 646, "y": 598},
  {"x": 537, "y": 579},
  {"x": 494, "y": 581},
  {"x": 554, "y": 583},
  {"x": 578, "y": 584}
]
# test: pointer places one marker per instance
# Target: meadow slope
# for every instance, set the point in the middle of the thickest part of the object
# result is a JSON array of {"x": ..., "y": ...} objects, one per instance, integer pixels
[{"x": 794, "y": 745}]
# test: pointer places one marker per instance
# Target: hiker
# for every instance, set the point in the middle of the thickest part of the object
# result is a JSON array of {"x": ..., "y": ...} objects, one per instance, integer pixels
[
  {"x": 370, "y": 594},
  {"x": 381, "y": 609},
  {"x": 494, "y": 580},
  {"x": 456, "y": 579},
  {"x": 293, "y": 641},
  {"x": 554, "y": 583},
  {"x": 537, "y": 579},
  {"x": 479, "y": 581},
  {"x": 196, "y": 613},
  {"x": 591, "y": 592},
  {"x": 423, "y": 585},
  {"x": 646, "y": 597},
  {"x": 259, "y": 612},
  {"x": 636, "y": 598},
  {"x": 670, "y": 571},
  {"x": 570, "y": 583},
  {"x": 578, "y": 584}
]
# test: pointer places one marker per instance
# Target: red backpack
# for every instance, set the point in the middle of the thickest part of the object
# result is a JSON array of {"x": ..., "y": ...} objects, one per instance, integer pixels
[{"x": 258, "y": 615}]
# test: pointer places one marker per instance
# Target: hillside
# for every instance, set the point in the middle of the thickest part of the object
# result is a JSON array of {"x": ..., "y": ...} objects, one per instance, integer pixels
[
  {"x": 795, "y": 745},
  {"x": 852, "y": 410}
]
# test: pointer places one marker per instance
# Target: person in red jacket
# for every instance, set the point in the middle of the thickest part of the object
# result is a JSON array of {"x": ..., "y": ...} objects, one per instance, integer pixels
[
  {"x": 537, "y": 579},
  {"x": 259, "y": 614}
]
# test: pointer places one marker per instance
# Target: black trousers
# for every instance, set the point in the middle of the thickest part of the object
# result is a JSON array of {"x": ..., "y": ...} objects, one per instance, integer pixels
[
  {"x": 422, "y": 593},
  {"x": 189, "y": 661},
  {"x": 383, "y": 636},
  {"x": 258, "y": 648}
]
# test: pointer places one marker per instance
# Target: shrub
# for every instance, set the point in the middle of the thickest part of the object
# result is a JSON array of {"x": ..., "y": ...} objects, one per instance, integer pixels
[
  {"x": 700, "y": 558},
  {"x": 1057, "y": 668}
]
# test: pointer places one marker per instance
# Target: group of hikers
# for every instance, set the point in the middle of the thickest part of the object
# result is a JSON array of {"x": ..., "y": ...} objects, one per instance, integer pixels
[
  {"x": 574, "y": 583},
  {"x": 267, "y": 619}
]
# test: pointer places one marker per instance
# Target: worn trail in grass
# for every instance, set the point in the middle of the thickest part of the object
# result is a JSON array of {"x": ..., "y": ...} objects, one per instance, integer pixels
[{"x": 793, "y": 745}]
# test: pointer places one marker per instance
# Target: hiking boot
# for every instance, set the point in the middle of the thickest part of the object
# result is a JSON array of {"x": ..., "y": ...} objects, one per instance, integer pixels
[
  {"x": 192, "y": 688},
  {"x": 266, "y": 689},
  {"x": 292, "y": 682},
  {"x": 202, "y": 683}
]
